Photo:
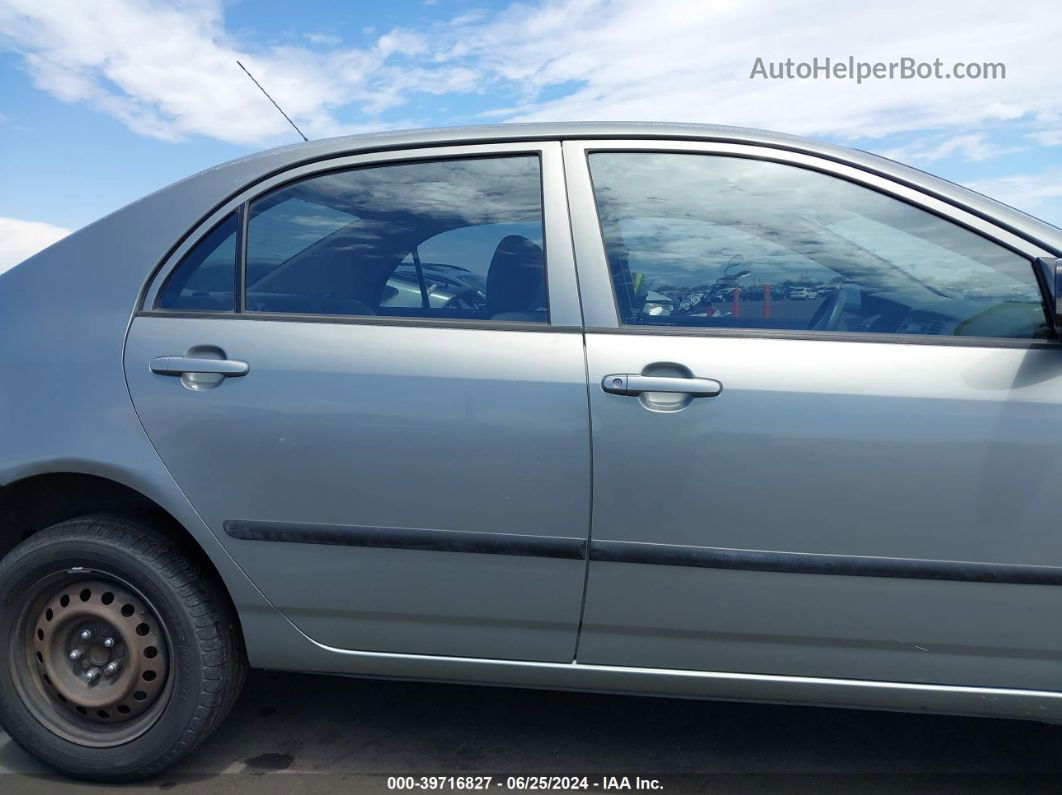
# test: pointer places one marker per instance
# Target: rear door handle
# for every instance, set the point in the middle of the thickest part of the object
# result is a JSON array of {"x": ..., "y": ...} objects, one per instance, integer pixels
[
  {"x": 185, "y": 365},
  {"x": 635, "y": 384}
]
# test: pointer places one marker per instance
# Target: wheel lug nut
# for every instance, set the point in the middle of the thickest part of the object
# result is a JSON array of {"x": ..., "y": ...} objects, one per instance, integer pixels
[
  {"x": 112, "y": 668},
  {"x": 85, "y": 634},
  {"x": 109, "y": 642},
  {"x": 76, "y": 654},
  {"x": 92, "y": 674}
]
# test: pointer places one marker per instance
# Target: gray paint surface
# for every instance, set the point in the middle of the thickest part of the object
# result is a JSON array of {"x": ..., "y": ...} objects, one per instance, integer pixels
[
  {"x": 976, "y": 421},
  {"x": 895, "y": 451},
  {"x": 384, "y": 426}
]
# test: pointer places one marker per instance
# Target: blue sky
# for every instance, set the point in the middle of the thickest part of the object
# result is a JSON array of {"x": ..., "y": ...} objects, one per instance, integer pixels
[{"x": 102, "y": 102}]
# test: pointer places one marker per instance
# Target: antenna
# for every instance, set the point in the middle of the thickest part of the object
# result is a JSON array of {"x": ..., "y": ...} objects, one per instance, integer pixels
[{"x": 275, "y": 105}]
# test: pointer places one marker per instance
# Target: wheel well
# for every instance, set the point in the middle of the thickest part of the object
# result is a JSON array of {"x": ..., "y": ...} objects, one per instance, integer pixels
[{"x": 36, "y": 503}]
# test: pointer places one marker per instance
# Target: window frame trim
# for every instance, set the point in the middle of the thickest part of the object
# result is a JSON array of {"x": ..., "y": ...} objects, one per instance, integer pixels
[
  {"x": 240, "y": 299},
  {"x": 565, "y": 311},
  {"x": 601, "y": 304},
  {"x": 160, "y": 280}
]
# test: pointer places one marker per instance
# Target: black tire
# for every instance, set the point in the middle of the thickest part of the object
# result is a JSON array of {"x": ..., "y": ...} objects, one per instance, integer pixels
[{"x": 199, "y": 645}]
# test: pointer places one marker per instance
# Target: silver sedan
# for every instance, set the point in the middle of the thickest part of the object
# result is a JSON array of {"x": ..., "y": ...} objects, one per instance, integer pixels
[{"x": 530, "y": 405}]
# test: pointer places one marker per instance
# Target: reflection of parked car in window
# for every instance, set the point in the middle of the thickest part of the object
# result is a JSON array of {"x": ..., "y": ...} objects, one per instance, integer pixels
[
  {"x": 657, "y": 304},
  {"x": 802, "y": 294}
]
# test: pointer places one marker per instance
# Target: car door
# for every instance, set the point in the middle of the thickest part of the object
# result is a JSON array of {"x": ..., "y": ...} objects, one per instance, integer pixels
[
  {"x": 395, "y": 474},
  {"x": 855, "y": 483}
]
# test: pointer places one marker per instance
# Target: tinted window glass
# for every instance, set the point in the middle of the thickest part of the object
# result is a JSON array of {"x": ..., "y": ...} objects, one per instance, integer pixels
[
  {"x": 454, "y": 267},
  {"x": 283, "y": 229},
  {"x": 701, "y": 240},
  {"x": 448, "y": 238},
  {"x": 205, "y": 278}
]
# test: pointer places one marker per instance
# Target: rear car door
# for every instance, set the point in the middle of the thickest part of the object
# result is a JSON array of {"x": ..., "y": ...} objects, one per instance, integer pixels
[
  {"x": 825, "y": 423},
  {"x": 364, "y": 382}
]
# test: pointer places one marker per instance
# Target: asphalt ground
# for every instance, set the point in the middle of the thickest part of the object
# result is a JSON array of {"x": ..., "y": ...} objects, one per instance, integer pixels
[{"x": 298, "y": 733}]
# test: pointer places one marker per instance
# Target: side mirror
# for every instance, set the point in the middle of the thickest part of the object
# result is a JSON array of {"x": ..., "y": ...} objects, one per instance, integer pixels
[
  {"x": 1058, "y": 293},
  {"x": 1051, "y": 267}
]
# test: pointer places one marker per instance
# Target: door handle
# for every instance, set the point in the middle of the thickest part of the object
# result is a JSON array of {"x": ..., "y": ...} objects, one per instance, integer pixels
[
  {"x": 186, "y": 365},
  {"x": 635, "y": 384}
]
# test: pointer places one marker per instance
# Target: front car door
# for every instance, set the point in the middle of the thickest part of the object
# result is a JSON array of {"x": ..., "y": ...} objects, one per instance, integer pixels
[
  {"x": 825, "y": 423},
  {"x": 362, "y": 379}
]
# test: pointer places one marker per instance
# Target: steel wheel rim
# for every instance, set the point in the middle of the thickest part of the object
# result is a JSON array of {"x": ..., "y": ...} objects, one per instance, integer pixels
[{"x": 81, "y": 696}]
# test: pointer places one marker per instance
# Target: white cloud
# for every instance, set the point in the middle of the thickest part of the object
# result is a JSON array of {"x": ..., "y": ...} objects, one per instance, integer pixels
[
  {"x": 1048, "y": 137},
  {"x": 168, "y": 70},
  {"x": 22, "y": 239},
  {"x": 637, "y": 60},
  {"x": 973, "y": 146},
  {"x": 325, "y": 39},
  {"x": 1029, "y": 192}
]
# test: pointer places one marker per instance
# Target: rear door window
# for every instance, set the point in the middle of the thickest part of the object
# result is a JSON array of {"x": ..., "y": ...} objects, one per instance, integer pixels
[
  {"x": 205, "y": 278},
  {"x": 455, "y": 238}
]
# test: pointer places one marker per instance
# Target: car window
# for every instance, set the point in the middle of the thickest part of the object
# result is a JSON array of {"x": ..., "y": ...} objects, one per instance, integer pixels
[
  {"x": 455, "y": 238},
  {"x": 725, "y": 242},
  {"x": 282, "y": 229},
  {"x": 205, "y": 278},
  {"x": 453, "y": 267}
]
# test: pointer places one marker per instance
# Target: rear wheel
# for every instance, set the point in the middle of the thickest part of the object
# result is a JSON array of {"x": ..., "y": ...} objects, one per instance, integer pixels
[{"x": 121, "y": 653}]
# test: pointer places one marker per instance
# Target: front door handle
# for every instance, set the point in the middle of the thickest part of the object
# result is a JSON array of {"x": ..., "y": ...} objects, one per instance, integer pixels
[
  {"x": 635, "y": 384},
  {"x": 188, "y": 365}
]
